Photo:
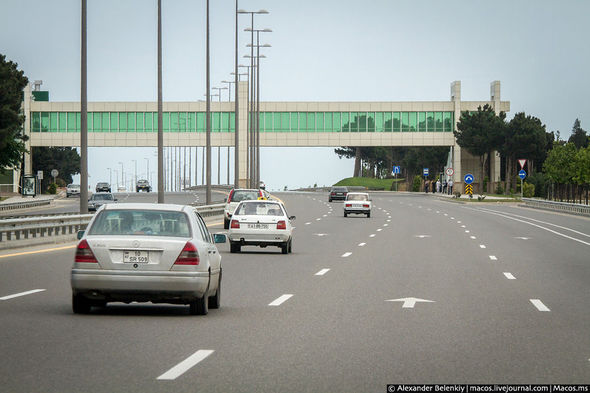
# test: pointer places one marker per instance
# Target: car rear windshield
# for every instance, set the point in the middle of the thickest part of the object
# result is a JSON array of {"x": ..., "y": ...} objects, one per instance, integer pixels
[
  {"x": 356, "y": 197},
  {"x": 340, "y": 189},
  {"x": 141, "y": 222},
  {"x": 259, "y": 209},
  {"x": 239, "y": 196},
  {"x": 102, "y": 197}
]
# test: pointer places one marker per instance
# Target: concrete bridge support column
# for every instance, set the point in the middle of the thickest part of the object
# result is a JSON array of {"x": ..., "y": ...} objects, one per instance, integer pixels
[
  {"x": 456, "y": 149},
  {"x": 495, "y": 168},
  {"x": 244, "y": 178}
]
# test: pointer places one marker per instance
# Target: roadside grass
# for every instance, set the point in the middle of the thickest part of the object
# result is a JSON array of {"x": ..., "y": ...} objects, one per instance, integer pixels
[{"x": 369, "y": 183}]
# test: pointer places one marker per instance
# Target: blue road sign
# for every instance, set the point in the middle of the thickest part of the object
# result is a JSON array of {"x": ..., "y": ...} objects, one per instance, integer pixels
[
  {"x": 522, "y": 174},
  {"x": 397, "y": 169},
  {"x": 468, "y": 178},
  {"x": 425, "y": 172}
]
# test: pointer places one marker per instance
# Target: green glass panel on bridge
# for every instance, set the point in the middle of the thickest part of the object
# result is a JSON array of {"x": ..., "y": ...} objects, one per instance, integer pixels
[
  {"x": 429, "y": 121},
  {"x": 413, "y": 122},
  {"x": 215, "y": 122},
  {"x": 397, "y": 122},
  {"x": 337, "y": 125},
  {"x": 122, "y": 122},
  {"x": 53, "y": 121},
  {"x": 345, "y": 121},
  {"x": 319, "y": 122},
  {"x": 310, "y": 122},
  {"x": 438, "y": 122},
  {"x": 139, "y": 121},
  {"x": 379, "y": 122},
  {"x": 200, "y": 122},
  {"x": 422, "y": 122}
]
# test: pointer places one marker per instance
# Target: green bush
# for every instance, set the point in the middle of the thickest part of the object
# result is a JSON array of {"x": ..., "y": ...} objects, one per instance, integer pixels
[
  {"x": 60, "y": 182},
  {"x": 486, "y": 180},
  {"x": 417, "y": 184},
  {"x": 528, "y": 190},
  {"x": 52, "y": 188},
  {"x": 540, "y": 182},
  {"x": 499, "y": 189}
]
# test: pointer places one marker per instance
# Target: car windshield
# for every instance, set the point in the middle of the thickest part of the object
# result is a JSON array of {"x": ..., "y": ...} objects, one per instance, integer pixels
[
  {"x": 141, "y": 222},
  {"x": 356, "y": 197},
  {"x": 102, "y": 184},
  {"x": 102, "y": 197},
  {"x": 340, "y": 189},
  {"x": 142, "y": 182},
  {"x": 259, "y": 209},
  {"x": 74, "y": 186},
  {"x": 239, "y": 196}
]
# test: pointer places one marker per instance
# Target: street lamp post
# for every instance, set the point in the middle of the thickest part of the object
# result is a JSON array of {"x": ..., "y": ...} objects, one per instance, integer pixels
[
  {"x": 110, "y": 176},
  {"x": 228, "y": 122},
  {"x": 220, "y": 126},
  {"x": 147, "y": 169},
  {"x": 135, "y": 162},
  {"x": 122, "y": 176}
]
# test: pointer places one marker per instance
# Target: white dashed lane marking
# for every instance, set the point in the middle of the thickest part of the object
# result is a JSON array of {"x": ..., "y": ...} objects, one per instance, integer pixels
[
  {"x": 185, "y": 365},
  {"x": 482, "y": 246},
  {"x": 280, "y": 300},
  {"x": 21, "y": 294},
  {"x": 362, "y": 244},
  {"x": 307, "y": 223},
  {"x": 379, "y": 230},
  {"x": 509, "y": 276},
  {"x": 346, "y": 254},
  {"x": 322, "y": 272},
  {"x": 539, "y": 304},
  {"x": 472, "y": 237},
  {"x": 493, "y": 258},
  {"x": 372, "y": 235}
]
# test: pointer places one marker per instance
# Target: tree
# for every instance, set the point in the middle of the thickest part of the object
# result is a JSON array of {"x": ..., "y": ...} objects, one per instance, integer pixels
[
  {"x": 480, "y": 133},
  {"x": 579, "y": 136},
  {"x": 12, "y": 83},
  {"x": 560, "y": 165},
  {"x": 525, "y": 138},
  {"x": 65, "y": 159}
]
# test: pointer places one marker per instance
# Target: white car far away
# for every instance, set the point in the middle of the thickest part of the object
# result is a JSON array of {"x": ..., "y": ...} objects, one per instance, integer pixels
[
  {"x": 261, "y": 223},
  {"x": 147, "y": 253},
  {"x": 357, "y": 203}
]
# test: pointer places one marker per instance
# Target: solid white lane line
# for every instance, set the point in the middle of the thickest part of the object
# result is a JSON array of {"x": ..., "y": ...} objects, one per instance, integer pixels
[
  {"x": 346, "y": 254},
  {"x": 539, "y": 304},
  {"x": 493, "y": 258},
  {"x": 280, "y": 300},
  {"x": 322, "y": 272},
  {"x": 472, "y": 237},
  {"x": 509, "y": 276},
  {"x": 482, "y": 246},
  {"x": 185, "y": 365},
  {"x": 21, "y": 294},
  {"x": 372, "y": 235},
  {"x": 362, "y": 244}
]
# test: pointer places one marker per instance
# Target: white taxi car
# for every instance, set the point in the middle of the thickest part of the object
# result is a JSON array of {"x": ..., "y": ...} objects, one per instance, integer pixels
[
  {"x": 237, "y": 195},
  {"x": 261, "y": 223},
  {"x": 147, "y": 252},
  {"x": 357, "y": 203}
]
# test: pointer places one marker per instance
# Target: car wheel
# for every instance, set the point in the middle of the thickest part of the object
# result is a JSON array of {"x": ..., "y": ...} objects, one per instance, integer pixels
[
  {"x": 291, "y": 245},
  {"x": 235, "y": 247},
  {"x": 225, "y": 224},
  {"x": 199, "y": 306},
  {"x": 285, "y": 247},
  {"x": 215, "y": 301},
  {"x": 345, "y": 214},
  {"x": 80, "y": 305},
  {"x": 369, "y": 215}
]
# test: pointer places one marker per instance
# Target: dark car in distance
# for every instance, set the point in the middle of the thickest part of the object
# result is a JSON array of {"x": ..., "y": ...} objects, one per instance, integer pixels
[
  {"x": 103, "y": 187},
  {"x": 143, "y": 185},
  {"x": 337, "y": 194}
]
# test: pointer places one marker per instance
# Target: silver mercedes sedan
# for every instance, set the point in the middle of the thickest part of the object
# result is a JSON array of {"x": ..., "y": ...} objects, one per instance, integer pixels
[{"x": 147, "y": 252}]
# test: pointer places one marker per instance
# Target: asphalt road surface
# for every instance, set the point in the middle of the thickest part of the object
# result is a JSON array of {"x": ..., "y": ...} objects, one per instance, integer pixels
[{"x": 424, "y": 291}]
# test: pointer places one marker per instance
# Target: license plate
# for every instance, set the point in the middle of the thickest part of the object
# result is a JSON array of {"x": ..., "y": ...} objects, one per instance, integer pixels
[
  {"x": 136, "y": 256},
  {"x": 357, "y": 206},
  {"x": 257, "y": 226}
]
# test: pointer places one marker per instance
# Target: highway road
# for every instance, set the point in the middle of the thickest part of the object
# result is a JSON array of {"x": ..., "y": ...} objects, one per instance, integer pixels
[{"x": 425, "y": 291}]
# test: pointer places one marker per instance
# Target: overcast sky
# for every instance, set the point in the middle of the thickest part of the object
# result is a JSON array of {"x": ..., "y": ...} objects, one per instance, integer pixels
[{"x": 374, "y": 50}]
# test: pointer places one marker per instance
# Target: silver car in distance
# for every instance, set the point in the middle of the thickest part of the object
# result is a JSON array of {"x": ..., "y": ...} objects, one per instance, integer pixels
[
  {"x": 147, "y": 253},
  {"x": 357, "y": 203},
  {"x": 261, "y": 223}
]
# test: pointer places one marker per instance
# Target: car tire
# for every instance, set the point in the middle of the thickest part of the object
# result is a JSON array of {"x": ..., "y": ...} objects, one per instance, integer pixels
[
  {"x": 215, "y": 301},
  {"x": 291, "y": 246},
  {"x": 80, "y": 305},
  {"x": 285, "y": 247},
  {"x": 199, "y": 306},
  {"x": 369, "y": 215},
  {"x": 345, "y": 214},
  {"x": 235, "y": 247},
  {"x": 329, "y": 200},
  {"x": 225, "y": 224}
]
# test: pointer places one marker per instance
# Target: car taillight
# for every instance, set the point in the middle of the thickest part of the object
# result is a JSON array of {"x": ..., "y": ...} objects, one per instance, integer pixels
[
  {"x": 231, "y": 193},
  {"x": 349, "y": 205},
  {"x": 84, "y": 253},
  {"x": 188, "y": 256},
  {"x": 281, "y": 224},
  {"x": 235, "y": 224},
  {"x": 365, "y": 205},
  {"x": 332, "y": 193}
]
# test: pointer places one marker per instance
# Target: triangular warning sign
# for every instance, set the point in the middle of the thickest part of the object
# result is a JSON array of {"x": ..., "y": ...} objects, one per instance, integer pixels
[{"x": 521, "y": 161}]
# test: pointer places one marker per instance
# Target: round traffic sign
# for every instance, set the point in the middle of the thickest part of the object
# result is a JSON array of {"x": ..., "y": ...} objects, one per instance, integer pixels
[
  {"x": 522, "y": 174},
  {"x": 54, "y": 172},
  {"x": 450, "y": 171},
  {"x": 468, "y": 178}
]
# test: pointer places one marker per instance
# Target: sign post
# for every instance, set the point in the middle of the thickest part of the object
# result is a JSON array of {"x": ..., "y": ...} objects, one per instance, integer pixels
[
  {"x": 468, "y": 179},
  {"x": 522, "y": 175},
  {"x": 54, "y": 173},
  {"x": 396, "y": 170}
]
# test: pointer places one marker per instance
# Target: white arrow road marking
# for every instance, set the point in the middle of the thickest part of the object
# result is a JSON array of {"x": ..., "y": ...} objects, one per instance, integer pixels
[
  {"x": 493, "y": 258},
  {"x": 482, "y": 246},
  {"x": 372, "y": 235},
  {"x": 410, "y": 302},
  {"x": 185, "y": 365},
  {"x": 509, "y": 276},
  {"x": 346, "y": 254},
  {"x": 539, "y": 304},
  {"x": 422, "y": 236},
  {"x": 322, "y": 272},
  {"x": 280, "y": 300},
  {"x": 362, "y": 244},
  {"x": 21, "y": 294}
]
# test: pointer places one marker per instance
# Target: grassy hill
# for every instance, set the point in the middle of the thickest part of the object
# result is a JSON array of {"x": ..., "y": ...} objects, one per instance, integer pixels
[{"x": 369, "y": 183}]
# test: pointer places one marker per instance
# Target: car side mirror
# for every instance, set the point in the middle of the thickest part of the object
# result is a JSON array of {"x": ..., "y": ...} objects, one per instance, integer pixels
[
  {"x": 219, "y": 238},
  {"x": 80, "y": 235},
  {"x": 292, "y": 218},
  {"x": 224, "y": 200},
  {"x": 115, "y": 199}
]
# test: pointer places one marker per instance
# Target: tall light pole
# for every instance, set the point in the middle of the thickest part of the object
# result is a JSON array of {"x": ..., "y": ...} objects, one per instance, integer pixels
[
  {"x": 229, "y": 121},
  {"x": 110, "y": 176},
  {"x": 160, "y": 111},
  {"x": 208, "y": 115},
  {"x": 220, "y": 126},
  {"x": 135, "y": 161},
  {"x": 147, "y": 169},
  {"x": 122, "y": 176},
  {"x": 116, "y": 176},
  {"x": 251, "y": 79},
  {"x": 83, "y": 113}
]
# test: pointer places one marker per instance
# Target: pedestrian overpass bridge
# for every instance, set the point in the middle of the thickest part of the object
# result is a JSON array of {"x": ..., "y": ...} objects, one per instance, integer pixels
[{"x": 282, "y": 124}]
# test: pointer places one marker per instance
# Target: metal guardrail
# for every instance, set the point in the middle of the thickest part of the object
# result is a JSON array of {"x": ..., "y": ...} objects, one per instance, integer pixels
[
  {"x": 22, "y": 205},
  {"x": 47, "y": 229},
  {"x": 564, "y": 207}
]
